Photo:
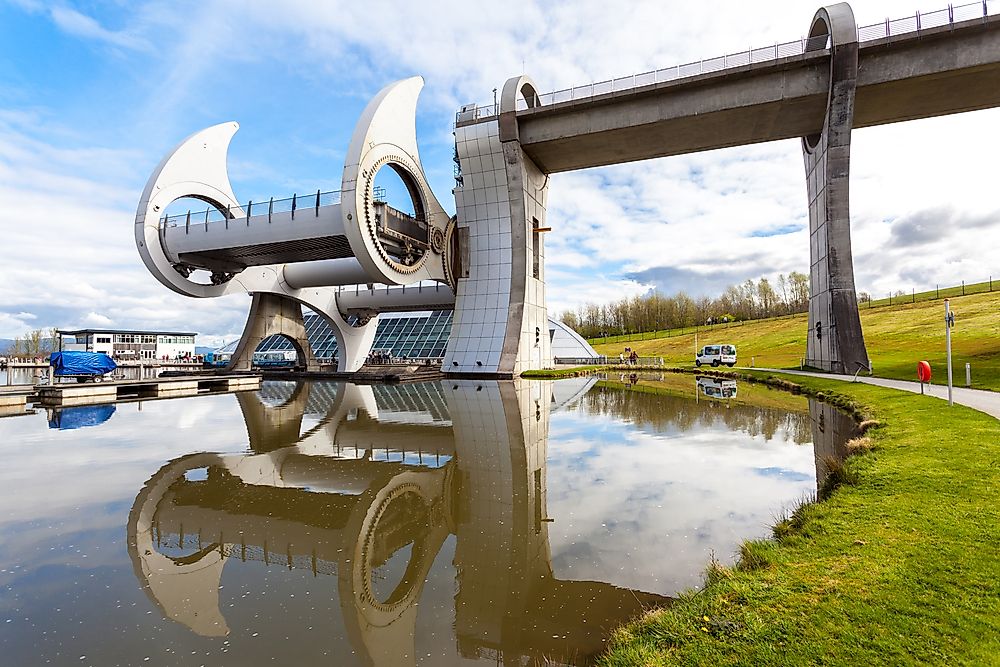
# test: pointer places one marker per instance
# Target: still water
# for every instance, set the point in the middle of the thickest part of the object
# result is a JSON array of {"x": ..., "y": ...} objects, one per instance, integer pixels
[{"x": 442, "y": 523}]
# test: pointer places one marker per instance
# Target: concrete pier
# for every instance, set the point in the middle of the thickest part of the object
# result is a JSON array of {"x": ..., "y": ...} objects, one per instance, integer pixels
[
  {"x": 91, "y": 393},
  {"x": 14, "y": 400}
]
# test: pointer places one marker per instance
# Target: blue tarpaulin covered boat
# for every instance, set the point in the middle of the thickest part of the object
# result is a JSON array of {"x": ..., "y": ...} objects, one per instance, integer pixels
[
  {"x": 77, "y": 364},
  {"x": 66, "y": 419}
]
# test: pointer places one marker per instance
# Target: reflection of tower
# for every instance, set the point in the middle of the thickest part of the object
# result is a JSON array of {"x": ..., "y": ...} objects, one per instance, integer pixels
[
  {"x": 831, "y": 429},
  {"x": 500, "y": 431},
  {"x": 339, "y": 502},
  {"x": 509, "y": 604}
]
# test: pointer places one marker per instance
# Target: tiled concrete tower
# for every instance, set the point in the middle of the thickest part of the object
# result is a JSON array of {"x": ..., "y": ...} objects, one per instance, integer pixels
[
  {"x": 835, "y": 342},
  {"x": 501, "y": 320}
]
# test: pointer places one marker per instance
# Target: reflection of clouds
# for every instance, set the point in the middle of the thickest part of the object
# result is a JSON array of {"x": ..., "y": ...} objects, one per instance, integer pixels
[
  {"x": 83, "y": 472},
  {"x": 644, "y": 510},
  {"x": 196, "y": 413},
  {"x": 640, "y": 496}
]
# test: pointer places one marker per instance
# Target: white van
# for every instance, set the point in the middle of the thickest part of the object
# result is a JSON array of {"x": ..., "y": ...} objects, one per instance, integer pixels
[{"x": 716, "y": 355}]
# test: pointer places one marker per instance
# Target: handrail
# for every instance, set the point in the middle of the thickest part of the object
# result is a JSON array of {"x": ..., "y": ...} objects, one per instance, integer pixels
[
  {"x": 286, "y": 205},
  {"x": 862, "y": 367},
  {"x": 877, "y": 31}
]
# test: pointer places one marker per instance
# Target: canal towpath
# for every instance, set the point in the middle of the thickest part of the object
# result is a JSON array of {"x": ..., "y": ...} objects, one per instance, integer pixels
[{"x": 977, "y": 399}]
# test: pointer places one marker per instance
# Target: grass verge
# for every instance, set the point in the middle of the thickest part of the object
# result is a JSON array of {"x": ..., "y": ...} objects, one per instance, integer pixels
[
  {"x": 897, "y": 338},
  {"x": 899, "y": 565},
  {"x": 557, "y": 373}
]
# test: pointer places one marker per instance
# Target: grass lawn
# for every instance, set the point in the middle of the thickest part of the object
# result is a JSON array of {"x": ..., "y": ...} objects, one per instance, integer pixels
[
  {"x": 897, "y": 339},
  {"x": 900, "y": 567}
]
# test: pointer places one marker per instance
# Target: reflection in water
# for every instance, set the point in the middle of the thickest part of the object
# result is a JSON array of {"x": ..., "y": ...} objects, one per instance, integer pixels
[
  {"x": 660, "y": 411},
  {"x": 364, "y": 485},
  {"x": 67, "y": 419},
  {"x": 831, "y": 429},
  {"x": 368, "y": 496},
  {"x": 714, "y": 387},
  {"x": 438, "y": 524}
]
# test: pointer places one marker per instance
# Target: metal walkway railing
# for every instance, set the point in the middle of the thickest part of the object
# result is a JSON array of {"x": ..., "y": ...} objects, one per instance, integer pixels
[{"x": 253, "y": 209}]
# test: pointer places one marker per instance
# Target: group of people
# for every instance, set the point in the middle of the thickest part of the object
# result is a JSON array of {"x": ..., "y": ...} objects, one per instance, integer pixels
[
  {"x": 379, "y": 357},
  {"x": 630, "y": 357}
]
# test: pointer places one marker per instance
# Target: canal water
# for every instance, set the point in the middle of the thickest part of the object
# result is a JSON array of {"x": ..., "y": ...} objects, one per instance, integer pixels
[{"x": 443, "y": 523}]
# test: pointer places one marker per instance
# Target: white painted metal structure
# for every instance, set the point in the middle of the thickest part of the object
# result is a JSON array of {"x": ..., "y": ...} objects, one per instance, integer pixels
[{"x": 371, "y": 250}]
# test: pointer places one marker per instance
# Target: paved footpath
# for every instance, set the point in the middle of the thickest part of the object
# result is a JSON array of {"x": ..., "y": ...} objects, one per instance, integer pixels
[{"x": 977, "y": 399}]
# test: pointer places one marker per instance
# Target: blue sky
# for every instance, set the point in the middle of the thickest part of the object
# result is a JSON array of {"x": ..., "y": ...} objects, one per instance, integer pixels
[{"x": 93, "y": 94}]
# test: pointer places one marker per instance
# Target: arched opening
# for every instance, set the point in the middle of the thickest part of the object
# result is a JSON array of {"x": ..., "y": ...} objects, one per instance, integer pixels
[
  {"x": 527, "y": 97},
  {"x": 399, "y": 215},
  {"x": 184, "y": 545},
  {"x": 278, "y": 351},
  {"x": 196, "y": 212},
  {"x": 819, "y": 38}
]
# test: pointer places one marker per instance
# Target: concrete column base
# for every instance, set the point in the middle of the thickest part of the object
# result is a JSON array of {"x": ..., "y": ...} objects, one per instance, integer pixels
[{"x": 272, "y": 314}]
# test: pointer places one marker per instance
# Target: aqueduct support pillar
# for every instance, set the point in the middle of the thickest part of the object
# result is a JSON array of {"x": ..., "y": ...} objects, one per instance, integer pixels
[
  {"x": 272, "y": 314},
  {"x": 835, "y": 341}
]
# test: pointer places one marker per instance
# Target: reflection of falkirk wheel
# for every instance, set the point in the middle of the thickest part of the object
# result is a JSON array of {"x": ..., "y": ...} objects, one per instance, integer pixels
[
  {"x": 413, "y": 503},
  {"x": 362, "y": 502},
  {"x": 305, "y": 507},
  {"x": 349, "y": 418},
  {"x": 289, "y": 256}
]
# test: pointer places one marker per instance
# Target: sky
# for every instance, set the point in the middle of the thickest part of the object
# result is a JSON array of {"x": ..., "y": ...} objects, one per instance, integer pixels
[{"x": 93, "y": 94}]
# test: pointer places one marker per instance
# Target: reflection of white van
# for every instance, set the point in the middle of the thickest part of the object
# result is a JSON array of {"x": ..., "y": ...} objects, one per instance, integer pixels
[
  {"x": 716, "y": 355},
  {"x": 717, "y": 387}
]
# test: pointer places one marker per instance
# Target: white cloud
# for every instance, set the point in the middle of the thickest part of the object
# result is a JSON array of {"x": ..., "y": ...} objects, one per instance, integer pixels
[
  {"x": 13, "y": 325},
  {"x": 97, "y": 320},
  {"x": 81, "y": 25},
  {"x": 686, "y": 222}
]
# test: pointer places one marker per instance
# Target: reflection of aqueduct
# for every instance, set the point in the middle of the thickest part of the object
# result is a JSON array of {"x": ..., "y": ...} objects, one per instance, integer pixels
[{"x": 345, "y": 496}]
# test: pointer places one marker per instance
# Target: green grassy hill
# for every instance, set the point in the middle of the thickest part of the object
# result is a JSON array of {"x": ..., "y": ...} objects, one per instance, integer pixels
[{"x": 897, "y": 338}]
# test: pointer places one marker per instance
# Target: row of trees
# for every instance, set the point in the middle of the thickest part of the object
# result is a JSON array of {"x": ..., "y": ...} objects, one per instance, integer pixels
[
  {"x": 654, "y": 311},
  {"x": 37, "y": 343}
]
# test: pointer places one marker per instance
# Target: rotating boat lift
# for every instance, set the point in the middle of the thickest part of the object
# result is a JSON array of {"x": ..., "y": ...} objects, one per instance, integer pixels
[{"x": 303, "y": 254}]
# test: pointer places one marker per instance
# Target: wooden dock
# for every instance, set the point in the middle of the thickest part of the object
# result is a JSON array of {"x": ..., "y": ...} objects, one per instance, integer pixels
[{"x": 92, "y": 393}]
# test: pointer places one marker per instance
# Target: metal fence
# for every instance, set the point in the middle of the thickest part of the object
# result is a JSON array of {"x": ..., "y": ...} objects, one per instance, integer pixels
[
  {"x": 939, "y": 292},
  {"x": 869, "y": 33},
  {"x": 253, "y": 209},
  {"x": 604, "y": 361}
]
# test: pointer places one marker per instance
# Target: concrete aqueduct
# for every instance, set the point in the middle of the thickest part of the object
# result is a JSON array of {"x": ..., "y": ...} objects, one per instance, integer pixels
[{"x": 488, "y": 260}]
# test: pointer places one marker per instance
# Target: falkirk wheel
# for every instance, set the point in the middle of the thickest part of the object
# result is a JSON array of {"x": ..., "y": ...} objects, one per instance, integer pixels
[
  {"x": 303, "y": 252},
  {"x": 487, "y": 261}
]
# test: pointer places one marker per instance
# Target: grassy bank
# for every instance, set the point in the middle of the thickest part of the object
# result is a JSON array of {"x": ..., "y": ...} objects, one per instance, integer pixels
[
  {"x": 897, "y": 339},
  {"x": 899, "y": 567}
]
